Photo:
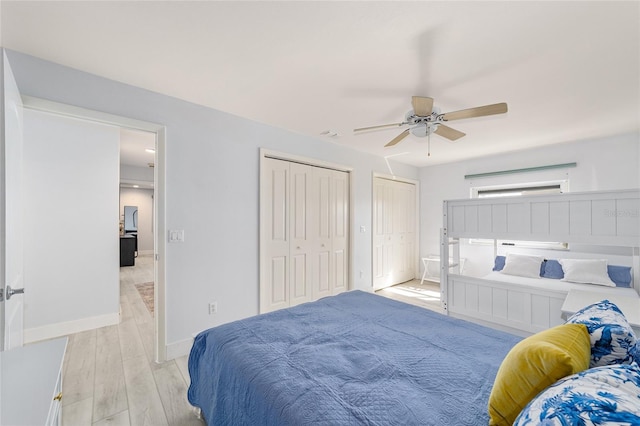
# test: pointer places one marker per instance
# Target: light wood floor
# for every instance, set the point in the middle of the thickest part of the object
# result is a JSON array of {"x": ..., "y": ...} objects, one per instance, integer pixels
[
  {"x": 426, "y": 295},
  {"x": 109, "y": 376}
]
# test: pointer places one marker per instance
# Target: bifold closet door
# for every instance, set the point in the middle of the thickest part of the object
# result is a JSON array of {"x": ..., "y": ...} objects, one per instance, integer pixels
[
  {"x": 319, "y": 232},
  {"x": 382, "y": 231},
  {"x": 404, "y": 231},
  {"x": 394, "y": 232},
  {"x": 308, "y": 237},
  {"x": 340, "y": 232},
  {"x": 303, "y": 248},
  {"x": 274, "y": 290}
]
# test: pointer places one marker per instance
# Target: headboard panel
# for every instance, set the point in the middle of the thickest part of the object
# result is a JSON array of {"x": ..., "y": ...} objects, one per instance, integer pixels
[{"x": 602, "y": 217}]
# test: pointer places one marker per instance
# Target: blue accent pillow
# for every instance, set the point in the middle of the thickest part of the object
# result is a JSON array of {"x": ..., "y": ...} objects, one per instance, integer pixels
[
  {"x": 553, "y": 269},
  {"x": 602, "y": 395},
  {"x": 621, "y": 275},
  {"x": 612, "y": 338}
]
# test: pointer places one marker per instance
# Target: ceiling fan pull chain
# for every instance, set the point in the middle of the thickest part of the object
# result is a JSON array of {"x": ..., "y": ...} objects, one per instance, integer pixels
[{"x": 429, "y": 145}]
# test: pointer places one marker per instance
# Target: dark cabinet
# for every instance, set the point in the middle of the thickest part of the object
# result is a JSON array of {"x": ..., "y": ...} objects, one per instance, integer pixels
[{"x": 128, "y": 250}]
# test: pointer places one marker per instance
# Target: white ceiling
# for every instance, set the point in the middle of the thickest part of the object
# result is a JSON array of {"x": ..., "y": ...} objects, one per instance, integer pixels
[
  {"x": 133, "y": 148},
  {"x": 568, "y": 70}
]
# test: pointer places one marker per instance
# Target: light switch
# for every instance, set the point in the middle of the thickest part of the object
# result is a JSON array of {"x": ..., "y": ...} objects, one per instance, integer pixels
[
  {"x": 363, "y": 229},
  {"x": 176, "y": 235}
]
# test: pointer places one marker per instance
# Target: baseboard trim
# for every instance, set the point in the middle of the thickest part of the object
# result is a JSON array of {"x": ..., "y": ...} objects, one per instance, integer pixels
[
  {"x": 70, "y": 327},
  {"x": 178, "y": 349}
]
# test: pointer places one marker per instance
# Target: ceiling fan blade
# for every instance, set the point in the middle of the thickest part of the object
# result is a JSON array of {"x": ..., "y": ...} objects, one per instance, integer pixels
[
  {"x": 398, "y": 138},
  {"x": 422, "y": 106},
  {"x": 448, "y": 132},
  {"x": 382, "y": 126},
  {"x": 476, "y": 112}
]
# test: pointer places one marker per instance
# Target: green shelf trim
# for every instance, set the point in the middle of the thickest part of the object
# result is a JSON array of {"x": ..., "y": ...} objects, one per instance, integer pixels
[{"x": 525, "y": 170}]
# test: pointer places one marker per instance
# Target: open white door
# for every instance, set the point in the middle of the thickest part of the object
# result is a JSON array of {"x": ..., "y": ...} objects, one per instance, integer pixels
[{"x": 11, "y": 257}]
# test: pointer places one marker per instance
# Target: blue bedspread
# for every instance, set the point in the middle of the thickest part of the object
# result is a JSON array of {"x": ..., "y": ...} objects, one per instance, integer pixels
[{"x": 356, "y": 358}]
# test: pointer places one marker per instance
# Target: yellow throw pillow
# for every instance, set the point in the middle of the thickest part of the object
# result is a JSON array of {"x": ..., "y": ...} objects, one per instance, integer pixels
[{"x": 534, "y": 364}]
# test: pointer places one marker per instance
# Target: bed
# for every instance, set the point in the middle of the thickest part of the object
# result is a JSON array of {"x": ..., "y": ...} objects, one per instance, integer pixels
[
  {"x": 599, "y": 219},
  {"x": 354, "y": 358}
]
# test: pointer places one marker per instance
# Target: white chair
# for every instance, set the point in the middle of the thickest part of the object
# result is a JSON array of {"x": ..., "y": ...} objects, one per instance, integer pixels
[{"x": 436, "y": 259}]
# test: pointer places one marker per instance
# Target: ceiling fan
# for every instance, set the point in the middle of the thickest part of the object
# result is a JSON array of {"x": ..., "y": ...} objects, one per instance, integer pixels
[{"x": 426, "y": 119}]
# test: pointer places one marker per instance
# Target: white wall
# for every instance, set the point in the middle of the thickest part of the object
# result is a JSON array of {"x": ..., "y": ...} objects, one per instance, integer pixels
[
  {"x": 212, "y": 181},
  {"x": 71, "y": 247},
  {"x": 143, "y": 199},
  {"x": 136, "y": 175},
  {"x": 602, "y": 164}
]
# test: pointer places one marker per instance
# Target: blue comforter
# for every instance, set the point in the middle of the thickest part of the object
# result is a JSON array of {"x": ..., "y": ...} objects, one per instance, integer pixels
[{"x": 356, "y": 358}]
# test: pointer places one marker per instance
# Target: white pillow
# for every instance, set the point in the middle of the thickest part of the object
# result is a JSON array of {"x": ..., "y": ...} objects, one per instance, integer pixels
[
  {"x": 522, "y": 265},
  {"x": 586, "y": 271}
]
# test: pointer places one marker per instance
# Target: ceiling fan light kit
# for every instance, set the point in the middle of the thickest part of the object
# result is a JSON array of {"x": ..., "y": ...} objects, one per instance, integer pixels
[{"x": 426, "y": 119}]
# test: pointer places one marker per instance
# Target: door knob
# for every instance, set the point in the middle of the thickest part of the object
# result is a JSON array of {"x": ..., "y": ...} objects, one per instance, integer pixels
[{"x": 12, "y": 291}]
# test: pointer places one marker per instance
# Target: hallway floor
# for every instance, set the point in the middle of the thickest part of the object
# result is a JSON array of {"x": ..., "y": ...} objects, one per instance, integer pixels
[{"x": 109, "y": 376}]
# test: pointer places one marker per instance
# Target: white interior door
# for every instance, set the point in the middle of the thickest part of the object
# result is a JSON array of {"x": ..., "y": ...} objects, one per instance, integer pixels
[
  {"x": 394, "y": 232},
  {"x": 11, "y": 213}
]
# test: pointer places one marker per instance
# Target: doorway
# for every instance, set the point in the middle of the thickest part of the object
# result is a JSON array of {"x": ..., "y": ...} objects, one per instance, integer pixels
[
  {"x": 158, "y": 195},
  {"x": 136, "y": 240}
]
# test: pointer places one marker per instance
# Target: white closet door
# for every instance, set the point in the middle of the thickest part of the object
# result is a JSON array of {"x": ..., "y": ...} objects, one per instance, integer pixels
[
  {"x": 275, "y": 260},
  {"x": 394, "y": 233},
  {"x": 307, "y": 237},
  {"x": 404, "y": 231},
  {"x": 340, "y": 232},
  {"x": 381, "y": 225},
  {"x": 322, "y": 218},
  {"x": 302, "y": 243}
]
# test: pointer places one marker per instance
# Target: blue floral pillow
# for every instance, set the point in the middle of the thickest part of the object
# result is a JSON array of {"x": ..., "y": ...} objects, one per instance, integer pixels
[
  {"x": 612, "y": 338},
  {"x": 602, "y": 395}
]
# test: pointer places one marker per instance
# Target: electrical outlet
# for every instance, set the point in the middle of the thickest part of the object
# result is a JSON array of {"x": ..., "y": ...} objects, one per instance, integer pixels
[{"x": 213, "y": 308}]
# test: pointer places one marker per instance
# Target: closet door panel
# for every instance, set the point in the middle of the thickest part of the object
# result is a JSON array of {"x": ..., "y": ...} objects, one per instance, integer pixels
[
  {"x": 299, "y": 291},
  {"x": 301, "y": 223},
  {"x": 379, "y": 235},
  {"x": 412, "y": 230},
  {"x": 299, "y": 205},
  {"x": 321, "y": 211},
  {"x": 399, "y": 212},
  {"x": 341, "y": 271},
  {"x": 405, "y": 230},
  {"x": 340, "y": 231},
  {"x": 275, "y": 292},
  {"x": 278, "y": 279}
]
